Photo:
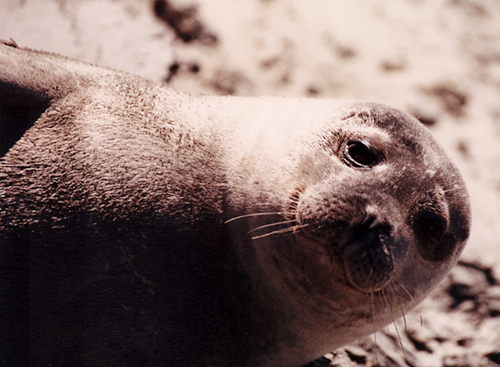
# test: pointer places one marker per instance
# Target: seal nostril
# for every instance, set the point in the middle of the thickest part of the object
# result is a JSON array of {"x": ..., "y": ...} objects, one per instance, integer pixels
[
  {"x": 368, "y": 261},
  {"x": 369, "y": 221},
  {"x": 367, "y": 256}
]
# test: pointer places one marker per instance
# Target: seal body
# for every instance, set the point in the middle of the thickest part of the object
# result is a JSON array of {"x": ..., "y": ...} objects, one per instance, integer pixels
[{"x": 143, "y": 226}]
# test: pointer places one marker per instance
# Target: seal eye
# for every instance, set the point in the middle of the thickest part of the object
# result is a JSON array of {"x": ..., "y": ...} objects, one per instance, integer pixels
[{"x": 359, "y": 155}]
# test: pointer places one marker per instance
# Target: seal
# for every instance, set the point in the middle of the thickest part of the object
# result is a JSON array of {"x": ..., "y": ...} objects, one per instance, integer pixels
[{"x": 144, "y": 226}]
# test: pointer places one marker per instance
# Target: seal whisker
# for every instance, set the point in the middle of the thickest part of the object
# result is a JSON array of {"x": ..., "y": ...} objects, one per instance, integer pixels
[
  {"x": 400, "y": 340},
  {"x": 373, "y": 324},
  {"x": 453, "y": 189},
  {"x": 264, "y": 205},
  {"x": 385, "y": 300},
  {"x": 373, "y": 309},
  {"x": 391, "y": 304},
  {"x": 271, "y": 225},
  {"x": 398, "y": 301},
  {"x": 252, "y": 215},
  {"x": 413, "y": 300},
  {"x": 281, "y": 231},
  {"x": 394, "y": 322}
]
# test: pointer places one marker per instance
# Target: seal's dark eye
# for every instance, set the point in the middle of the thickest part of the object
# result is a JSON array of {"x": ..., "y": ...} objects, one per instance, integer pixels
[{"x": 359, "y": 155}]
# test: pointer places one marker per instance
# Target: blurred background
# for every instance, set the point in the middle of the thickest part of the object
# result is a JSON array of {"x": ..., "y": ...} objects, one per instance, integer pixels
[{"x": 438, "y": 60}]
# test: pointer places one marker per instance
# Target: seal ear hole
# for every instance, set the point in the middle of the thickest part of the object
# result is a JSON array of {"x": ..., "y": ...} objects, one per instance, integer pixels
[
  {"x": 359, "y": 155},
  {"x": 430, "y": 226}
]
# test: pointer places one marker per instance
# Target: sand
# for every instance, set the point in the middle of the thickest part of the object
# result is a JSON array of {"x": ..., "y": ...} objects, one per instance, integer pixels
[{"x": 436, "y": 59}]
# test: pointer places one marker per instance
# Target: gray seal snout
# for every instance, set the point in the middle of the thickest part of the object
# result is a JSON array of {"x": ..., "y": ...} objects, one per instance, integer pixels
[{"x": 358, "y": 229}]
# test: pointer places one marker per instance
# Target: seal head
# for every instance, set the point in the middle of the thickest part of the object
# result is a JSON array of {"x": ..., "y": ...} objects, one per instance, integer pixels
[
  {"x": 377, "y": 217},
  {"x": 394, "y": 191}
]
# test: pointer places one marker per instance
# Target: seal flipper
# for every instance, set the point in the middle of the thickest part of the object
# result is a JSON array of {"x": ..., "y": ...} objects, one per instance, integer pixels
[
  {"x": 30, "y": 81},
  {"x": 25, "y": 91},
  {"x": 15, "y": 121}
]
